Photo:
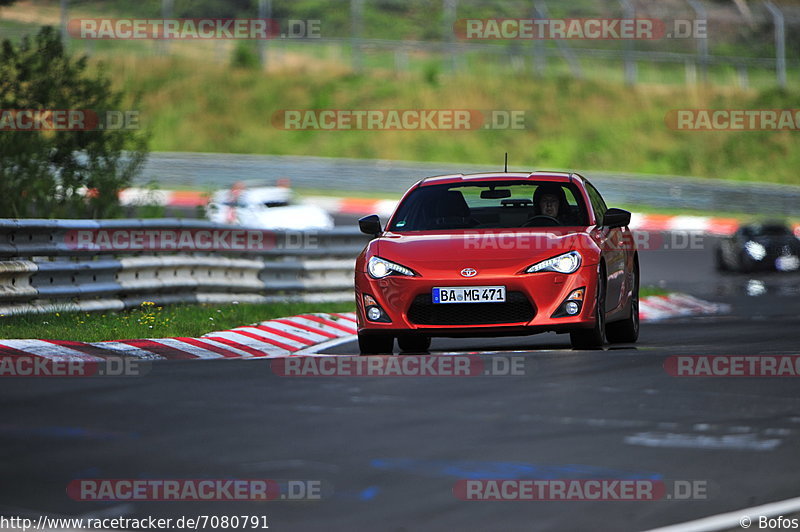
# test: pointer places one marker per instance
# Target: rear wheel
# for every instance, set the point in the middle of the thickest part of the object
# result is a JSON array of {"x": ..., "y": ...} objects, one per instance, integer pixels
[
  {"x": 595, "y": 337},
  {"x": 627, "y": 330},
  {"x": 375, "y": 344},
  {"x": 414, "y": 344}
]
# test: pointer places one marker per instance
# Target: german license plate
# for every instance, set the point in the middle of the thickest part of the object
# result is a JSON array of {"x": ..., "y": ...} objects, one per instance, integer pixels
[{"x": 469, "y": 294}]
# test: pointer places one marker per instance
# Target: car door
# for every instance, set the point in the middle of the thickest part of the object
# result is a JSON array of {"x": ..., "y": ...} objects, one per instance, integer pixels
[{"x": 613, "y": 245}]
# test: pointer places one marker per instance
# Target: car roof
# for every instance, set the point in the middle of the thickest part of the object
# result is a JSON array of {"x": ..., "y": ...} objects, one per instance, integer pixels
[{"x": 556, "y": 177}]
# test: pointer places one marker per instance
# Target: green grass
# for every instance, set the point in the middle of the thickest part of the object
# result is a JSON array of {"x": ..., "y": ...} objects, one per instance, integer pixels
[
  {"x": 208, "y": 107},
  {"x": 151, "y": 321},
  {"x": 647, "y": 291}
]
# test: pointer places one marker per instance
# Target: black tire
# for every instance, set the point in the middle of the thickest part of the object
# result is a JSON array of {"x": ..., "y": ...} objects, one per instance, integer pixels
[
  {"x": 719, "y": 261},
  {"x": 414, "y": 344},
  {"x": 375, "y": 344},
  {"x": 595, "y": 337},
  {"x": 745, "y": 263},
  {"x": 627, "y": 330}
]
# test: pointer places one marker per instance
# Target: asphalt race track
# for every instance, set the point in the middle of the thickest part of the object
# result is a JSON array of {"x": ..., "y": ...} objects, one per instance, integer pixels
[{"x": 390, "y": 450}]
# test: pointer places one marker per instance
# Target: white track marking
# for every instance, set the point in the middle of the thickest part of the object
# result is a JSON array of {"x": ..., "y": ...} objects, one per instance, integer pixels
[
  {"x": 736, "y": 442},
  {"x": 732, "y": 520}
]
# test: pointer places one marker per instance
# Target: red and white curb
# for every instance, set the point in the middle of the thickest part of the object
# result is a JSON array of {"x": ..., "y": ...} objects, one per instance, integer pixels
[
  {"x": 656, "y": 308},
  {"x": 278, "y": 338},
  {"x": 303, "y": 335}
]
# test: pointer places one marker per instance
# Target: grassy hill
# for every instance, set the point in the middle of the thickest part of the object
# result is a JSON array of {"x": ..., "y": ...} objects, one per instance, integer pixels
[
  {"x": 194, "y": 100},
  {"x": 194, "y": 105}
]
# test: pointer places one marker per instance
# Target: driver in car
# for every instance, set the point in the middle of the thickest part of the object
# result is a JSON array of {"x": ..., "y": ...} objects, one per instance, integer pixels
[{"x": 550, "y": 200}]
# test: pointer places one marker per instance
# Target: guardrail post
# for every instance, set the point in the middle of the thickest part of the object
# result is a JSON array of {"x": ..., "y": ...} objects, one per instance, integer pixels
[{"x": 780, "y": 42}]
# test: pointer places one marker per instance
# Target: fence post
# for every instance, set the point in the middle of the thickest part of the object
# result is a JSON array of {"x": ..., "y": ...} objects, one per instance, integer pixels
[
  {"x": 780, "y": 42},
  {"x": 64, "y": 23},
  {"x": 630, "y": 63},
  {"x": 449, "y": 18},
  {"x": 690, "y": 67},
  {"x": 356, "y": 27},
  {"x": 566, "y": 51},
  {"x": 264, "y": 12},
  {"x": 702, "y": 42},
  {"x": 166, "y": 12},
  {"x": 743, "y": 77},
  {"x": 539, "y": 58}
]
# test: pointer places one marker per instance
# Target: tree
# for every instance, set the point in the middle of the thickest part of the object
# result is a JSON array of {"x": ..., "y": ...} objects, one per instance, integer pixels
[{"x": 56, "y": 173}]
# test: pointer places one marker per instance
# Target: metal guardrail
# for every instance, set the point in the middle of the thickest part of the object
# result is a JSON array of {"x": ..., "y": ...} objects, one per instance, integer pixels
[
  {"x": 42, "y": 269},
  {"x": 206, "y": 170}
]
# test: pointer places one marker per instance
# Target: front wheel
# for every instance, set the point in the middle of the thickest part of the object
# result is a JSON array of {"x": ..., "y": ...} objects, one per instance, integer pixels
[
  {"x": 375, "y": 344},
  {"x": 627, "y": 330},
  {"x": 595, "y": 337}
]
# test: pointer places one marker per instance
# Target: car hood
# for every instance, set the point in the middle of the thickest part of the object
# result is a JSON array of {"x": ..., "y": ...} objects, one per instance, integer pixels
[{"x": 489, "y": 250}]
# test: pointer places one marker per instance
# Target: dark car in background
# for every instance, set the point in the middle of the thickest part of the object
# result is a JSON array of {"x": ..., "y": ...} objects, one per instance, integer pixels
[{"x": 769, "y": 246}]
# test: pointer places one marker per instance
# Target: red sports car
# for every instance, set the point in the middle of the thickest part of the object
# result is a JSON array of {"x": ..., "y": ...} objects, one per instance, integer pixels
[{"x": 498, "y": 254}]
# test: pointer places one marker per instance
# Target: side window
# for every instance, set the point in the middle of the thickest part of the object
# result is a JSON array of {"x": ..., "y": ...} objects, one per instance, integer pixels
[{"x": 598, "y": 205}]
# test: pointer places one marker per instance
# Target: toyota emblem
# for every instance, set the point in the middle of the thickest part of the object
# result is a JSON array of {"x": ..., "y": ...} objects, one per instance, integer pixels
[{"x": 469, "y": 272}]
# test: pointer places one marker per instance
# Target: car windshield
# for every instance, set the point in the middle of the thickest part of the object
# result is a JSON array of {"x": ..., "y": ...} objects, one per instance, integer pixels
[
  {"x": 771, "y": 230},
  {"x": 490, "y": 205}
]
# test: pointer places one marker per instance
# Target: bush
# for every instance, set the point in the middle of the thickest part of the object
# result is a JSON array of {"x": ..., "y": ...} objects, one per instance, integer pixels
[
  {"x": 244, "y": 56},
  {"x": 58, "y": 173}
]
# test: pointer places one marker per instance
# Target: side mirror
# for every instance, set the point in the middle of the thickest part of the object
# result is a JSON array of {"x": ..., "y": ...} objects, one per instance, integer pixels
[
  {"x": 370, "y": 225},
  {"x": 616, "y": 218}
]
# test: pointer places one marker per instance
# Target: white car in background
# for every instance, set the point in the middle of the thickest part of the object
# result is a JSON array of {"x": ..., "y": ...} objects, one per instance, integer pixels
[{"x": 265, "y": 207}]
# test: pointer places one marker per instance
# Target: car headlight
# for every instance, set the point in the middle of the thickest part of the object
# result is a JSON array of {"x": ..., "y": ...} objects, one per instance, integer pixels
[
  {"x": 755, "y": 250},
  {"x": 379, "y": 268},
  {"x": 566, "y": 263}
]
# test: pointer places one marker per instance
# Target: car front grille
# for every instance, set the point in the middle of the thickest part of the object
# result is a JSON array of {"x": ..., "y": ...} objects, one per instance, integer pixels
[{"x": 516, "y": 309}]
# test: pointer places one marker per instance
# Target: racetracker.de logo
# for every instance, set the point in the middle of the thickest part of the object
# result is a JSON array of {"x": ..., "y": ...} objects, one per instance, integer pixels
[
  {"x": 398, "y": 366},
  {"x": 733, "y": 365},
  {"x": 174, "y": 28},
  {"x": 112, "y": 240},
  {"x": 601, "y": 489},
  {"x": 67, "y": 120},
  {"x": 25, "y": 366},
  {"x": 121, "y": 489},
  {"x": 733, "y": 119},
  {"x": 639, "y": 240},
  {"x": 397, "y": 119},
  {"x": 560, "y": 28}
]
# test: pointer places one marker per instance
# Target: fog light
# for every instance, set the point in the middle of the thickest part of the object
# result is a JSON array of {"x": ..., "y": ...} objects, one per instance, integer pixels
[
  {"x": 374, "y": 313},
  {"x": 572, "y": 308}
]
